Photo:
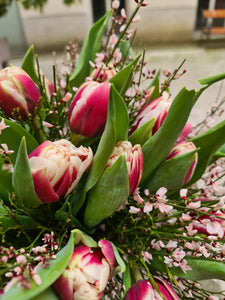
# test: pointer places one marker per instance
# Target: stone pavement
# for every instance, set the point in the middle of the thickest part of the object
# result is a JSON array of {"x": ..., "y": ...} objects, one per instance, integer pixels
[{"x": 200, "y": 62}]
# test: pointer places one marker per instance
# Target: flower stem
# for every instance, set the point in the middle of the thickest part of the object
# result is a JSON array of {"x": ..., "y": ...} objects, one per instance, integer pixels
[{"x": 38, "y": 133}]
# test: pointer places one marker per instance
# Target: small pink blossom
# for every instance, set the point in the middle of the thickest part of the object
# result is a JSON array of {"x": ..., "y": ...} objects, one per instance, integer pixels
[
  {"x": 220, "y": 204},
  {"x": 113, "y": 40},
  {"x": 5, "y": 150},
  {"x": 134, "y": 210},
  {"x": 185, "y": 217},
  {"x": 157, "y": 245},
  {"x": 215, "y": 228},
  {"x": 183, "y": 193},
  {"x": 194, "y": 205},
  {"x": 161, "y": 192},
  {"x": 204, "y": 251},
  {"x": 123, "y": 14},
  {"x": 148, "y": 207},
  {"x": 115, "y": 4},
  {"x": 2, "y": 125},
  {"x": 138, "y": 198},
  {"x": 171, "y": 244},
  {"x": 190, "y": 230},
  {"x": 178, "y": 254},
  {"x": 168, "y": 261},
  {"x": 183, "y": 265},
  {"x": 47, "y": 125},
  {"x": 122, "y": 27},
  {"x": 146, "y": 192},
  {"x": 136, "y": 19},
  {"x": 67, "y": 97},
  {"x": 147, "y": 256}
]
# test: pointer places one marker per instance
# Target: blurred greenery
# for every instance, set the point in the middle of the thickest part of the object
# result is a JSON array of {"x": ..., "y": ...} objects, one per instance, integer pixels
[{"x": 37, "y": 4}]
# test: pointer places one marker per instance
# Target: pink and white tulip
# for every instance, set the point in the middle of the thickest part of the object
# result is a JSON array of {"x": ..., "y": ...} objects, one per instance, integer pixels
[
  {"x": 88, "y": 273},
  {"x": 17, "y": 91},
  {"x": 144, "y": 290},
  {"x": 183, "y": 148},
  {"x": 57, "y": 167},
  {"x": 134, "y": 160},
  {"x": 157, "y": 109},
  {"x": 88, "y": 110}
]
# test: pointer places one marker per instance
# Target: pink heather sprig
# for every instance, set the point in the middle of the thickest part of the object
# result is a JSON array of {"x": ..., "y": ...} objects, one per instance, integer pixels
[{"x": 22, "y": 266}]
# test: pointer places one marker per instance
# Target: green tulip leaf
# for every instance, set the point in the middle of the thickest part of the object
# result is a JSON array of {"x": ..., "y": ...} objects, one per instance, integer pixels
[
  {"x": 127, "y": 281},
  {"x": 5, "y": 185},
  {"x": 48, "y": 275},
  {"x": 212, "y": 79},
  {"x": 22, "y": 179},
  {"x": 171, "y": 173},
  {"x": 123, "y": 78},
  {"x": 201, "y": 268},
  {"x": 80, "y": 236},
  {"x": 125, "y": 49},
  {"x": 49, "y": 294},
  {"x": 121, "y": 267},
  {"x": 143, "y": 133},
  {"x": 90, "y": 47},
  {"x": 115, "y": 130},
  {"x": 108, "y": 194},
  {"x": 208, "y": 142},
  {"x": 12, "y": 136},
  {"x": 156, "y": 84},
  {"x": 28, "y": 64},
  {"x": 157, "y": 148}
]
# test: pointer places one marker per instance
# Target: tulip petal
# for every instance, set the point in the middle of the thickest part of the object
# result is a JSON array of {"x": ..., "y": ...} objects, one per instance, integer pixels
[
  {"x": 43, "y": 187},
  {"x": 142, "y": 290}
]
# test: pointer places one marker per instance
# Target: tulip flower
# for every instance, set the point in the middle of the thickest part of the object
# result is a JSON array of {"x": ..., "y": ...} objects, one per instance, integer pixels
[
  {"x": 88, "y": 110},
  {"x": 180, "y": 149},
  {"x": 134, "y": 160},
  {"x": 88, "y": 273},
  {"x": 145, "y": 290},
  {"x": 17, "y": 91},
  {"x": 157, "y": 109},
  {"x": 57, "y": 167}
]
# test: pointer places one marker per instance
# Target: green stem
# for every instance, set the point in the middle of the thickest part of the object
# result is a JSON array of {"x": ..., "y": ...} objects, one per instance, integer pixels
[
  {"x": 136, "y": 272},
  {"x": 124, "y": 31},
  {"x": 38, "y": 133}
]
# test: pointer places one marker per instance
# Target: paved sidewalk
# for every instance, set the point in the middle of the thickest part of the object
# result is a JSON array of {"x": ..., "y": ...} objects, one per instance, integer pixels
[{"x": 200, "y": 63}]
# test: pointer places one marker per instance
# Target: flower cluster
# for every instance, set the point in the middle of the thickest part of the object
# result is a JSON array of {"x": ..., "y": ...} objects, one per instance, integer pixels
[{"x": 106, "y": 161}]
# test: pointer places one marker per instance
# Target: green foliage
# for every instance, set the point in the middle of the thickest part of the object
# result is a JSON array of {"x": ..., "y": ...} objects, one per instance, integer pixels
[{"x": 27, "y": 4}]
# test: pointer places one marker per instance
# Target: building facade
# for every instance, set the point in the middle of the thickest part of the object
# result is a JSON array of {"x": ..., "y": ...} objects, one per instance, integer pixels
[{"x": 162, "y": 21}]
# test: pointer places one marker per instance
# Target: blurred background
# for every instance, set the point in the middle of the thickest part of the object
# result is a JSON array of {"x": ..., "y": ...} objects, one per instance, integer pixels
[
  {"x": 162, "y": 21},
  {"x": 169, "y": 30}
]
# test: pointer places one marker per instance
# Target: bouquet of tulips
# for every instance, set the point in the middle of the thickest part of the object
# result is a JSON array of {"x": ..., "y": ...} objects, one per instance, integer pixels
[{"x": 106, "y": 190}]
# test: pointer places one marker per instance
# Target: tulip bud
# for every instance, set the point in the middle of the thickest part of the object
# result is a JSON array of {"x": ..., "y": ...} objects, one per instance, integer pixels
[
  {"x": 88, "y": 111},
  {"x": 57, "y": 167},
  {"x": 180, "y": 149},
  {"x": 134, "y": 160},
  {"x": 17, "y": 91},
  {"x": 87, "y": 274},
  {"x": 157, "y": 109},
  {"x": 144, "y": 290},
  {"x": 102, "y": 74}
]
